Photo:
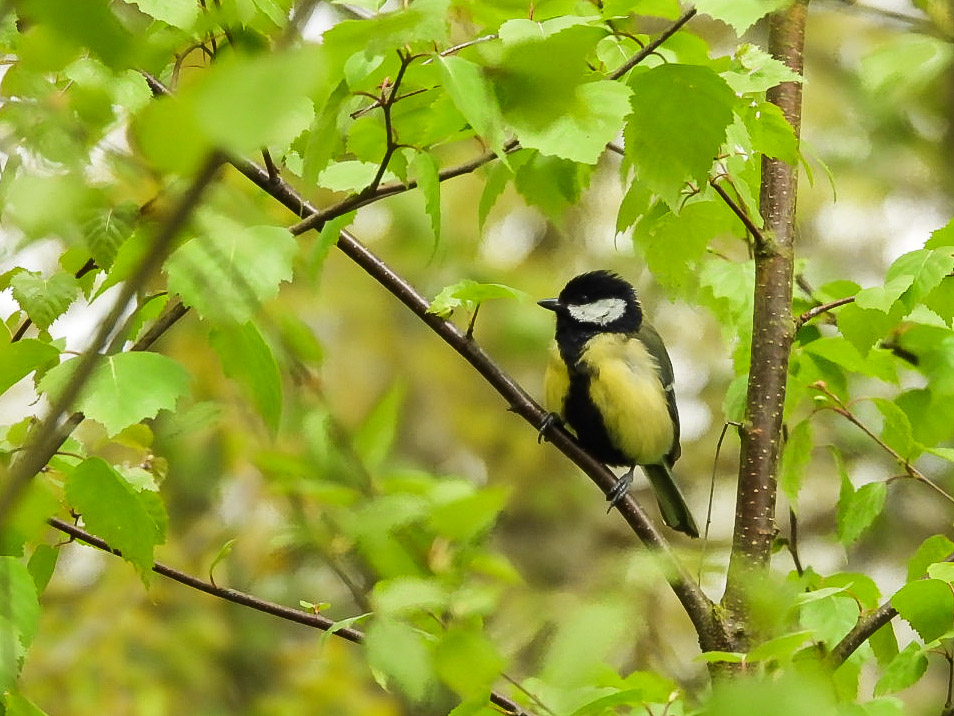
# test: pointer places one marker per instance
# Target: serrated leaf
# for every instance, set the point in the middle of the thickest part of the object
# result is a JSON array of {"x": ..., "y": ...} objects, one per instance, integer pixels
[
  {"x": 795, "y": 458},
  {"x": 883, "y": 298},
  {"x": 124, "y": 388},
  {"x": 18, "y": 360},
  {"x": 667, "y": 144},
  {"x": 904, "y": 670},
  {"x": 470, "y": 294},
  {"x": 16, "y": 704},
  {"x": 740, "y": 14},
  {"x": 228, "y": 273},
  {"x": 44, "y": 300},
  {"x": 178, "y": 13},
  {"x": 927, "y": 605},
  {"x": 758, "y": 71},
  {"x": 896, "y": 431},
  {"x": 113, "y": 509},
  {"x": 770, "y": 132},
  {"x": 248, "y": 360},
  {"x": 105, "y": 230},
  {"x": 934, "y": 549},
  {"x": 497, "y": 179},
  {"x": 399, "y": 653},
  {"x": 925, "y": 267},
  {"x": 424, "y": 168},
  {"x": 473, "y": 95},
  {"x": 941, "y": 237},
  {"x": 857, "y": 511},
  {"x": 550, "y": 183}
]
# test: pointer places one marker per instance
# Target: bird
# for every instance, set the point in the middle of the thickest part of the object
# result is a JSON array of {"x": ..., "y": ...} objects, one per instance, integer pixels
[{"x": 610, "y": 380}]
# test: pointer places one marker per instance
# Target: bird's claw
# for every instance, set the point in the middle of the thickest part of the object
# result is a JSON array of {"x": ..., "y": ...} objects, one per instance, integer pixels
[
  {"x": 619, "y": 490},
  {"x": 549, "y": 420}
]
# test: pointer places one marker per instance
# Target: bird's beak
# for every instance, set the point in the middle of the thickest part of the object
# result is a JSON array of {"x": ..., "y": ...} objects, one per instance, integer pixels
[{"x": 551, "y": 304}]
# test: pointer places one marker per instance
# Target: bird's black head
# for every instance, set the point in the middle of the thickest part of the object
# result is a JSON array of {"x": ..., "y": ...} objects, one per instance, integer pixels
[{"x": 598, "y": 301}]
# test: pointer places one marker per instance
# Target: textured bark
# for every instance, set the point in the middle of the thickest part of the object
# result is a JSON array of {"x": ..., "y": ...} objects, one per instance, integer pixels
[{"x": 772, "y": 332}]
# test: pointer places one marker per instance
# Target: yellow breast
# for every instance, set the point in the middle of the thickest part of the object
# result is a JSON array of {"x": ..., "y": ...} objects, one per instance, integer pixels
[{"x": 625, "y": 386}]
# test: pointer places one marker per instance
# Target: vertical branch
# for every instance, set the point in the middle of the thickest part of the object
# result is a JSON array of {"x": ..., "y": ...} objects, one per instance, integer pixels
[{"x": 772, "y": 333}]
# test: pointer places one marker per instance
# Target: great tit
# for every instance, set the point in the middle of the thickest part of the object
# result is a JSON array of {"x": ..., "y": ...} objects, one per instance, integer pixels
[{"x": 609, "y": 378}]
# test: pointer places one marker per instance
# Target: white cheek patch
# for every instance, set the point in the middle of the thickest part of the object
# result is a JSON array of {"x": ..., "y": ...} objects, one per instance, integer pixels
[{"x": 601, "y": 312}]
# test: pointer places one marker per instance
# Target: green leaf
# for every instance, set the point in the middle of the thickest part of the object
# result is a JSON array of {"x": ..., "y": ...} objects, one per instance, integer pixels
[
  {"x": 905, "y": 62},
  {"x": 865, "y": 326},
  {"x": 770, "y": 132},
  {"x": 740, "y": 14},
  {"x": 781, "y": 647},
  {"x": 468, "y": 516},
  {"x": 469, "y": 294},
  {"x": 858, "y": 509},
  {"x": 19, "y": 604},
  {"x": 44, "y": 300},
  {"x": 373, "y": 439},
  {"x": 728, "y": 657},
  {"x": 18, "y": 360},
  {"x": 829, "y": 619},
  {"x": 467, "y": 661},
  {"x": 927, "y": 605},
  {"x": 92, "y": 24},
  {"x": 934, "y": 549},
  {"x": 351, "y": 175},
  {"x": 423, "y": 21},
  {"x": 903, "y": 671},
  {"x": 550, "y": 183},
  {"x": 583, "y": 640},
  {"x": 943, "y": 571},
  {"x": 883, "y": 298},
  {"x": 227, "y": 274},
  {"x": 757, "y": 71},
  {"x": 667, "y": 144},
  {"x": 178, "y": 13},
  {"x": 896, "y": 431},
  {"x": 424, "y": 168},
  {"x": 114, "y": 510},
  {"x": 473, "y": 96},
  {"x": 105, "y": 230},
  {"x": 407, "y": 595},
  {"x": 399, "y": 653},
  {"x": 17, "y": 704},
  {"x": 795, "y": 458},
  {"x": 843, "y": 353},
  {"x": 41, "y": 565},
  {"x": 124, "y": 388},
  {"x": 544, "y": 94},
  {"x": 941, "y": 237},
  {"x": 926, "y": 268},
  {"x": 248, "y": 360}
]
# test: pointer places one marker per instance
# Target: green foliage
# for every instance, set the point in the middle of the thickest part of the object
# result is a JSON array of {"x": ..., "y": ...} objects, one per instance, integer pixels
[{"x": 469, "y": 294}]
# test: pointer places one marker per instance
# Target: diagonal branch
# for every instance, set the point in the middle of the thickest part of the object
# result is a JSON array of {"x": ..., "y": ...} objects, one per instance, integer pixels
[
  {"x": 309, "y": 619},
  {"x": 654, "y": 45}
]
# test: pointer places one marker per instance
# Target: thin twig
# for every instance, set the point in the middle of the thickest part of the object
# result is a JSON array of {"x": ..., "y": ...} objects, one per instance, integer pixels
[
  {"x": 738, "y": 209},
  {"x": 818, "y": 310},
  {"x": 309, "y": 619},
  {"x": 793, "y": 541},
  {"x": 653, "y": 46},
  {"x": 42, "y": 441}
]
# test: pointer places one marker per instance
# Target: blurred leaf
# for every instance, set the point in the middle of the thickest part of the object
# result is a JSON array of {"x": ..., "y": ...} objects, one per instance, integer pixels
[
  {"x": 740, "y": 14},
  {"x": 249, "y": 361},
  {"x": 473, "y": 95},
  {"x": 423, "y": 21},
  {"x": 90, "y": 23},
  {"x": 782, "y": 647},
  {"x": 178, "y": 13},
  {"x": 905, "y": 63},
  {"x": 927, "y": 605},
  {"x": 343, "y": 624},
  {"x": 116, "y": 394},
  {"x": 16, "y": 704},
  {"x": 858, "y": 509},
  {"x": 795, "y": 458},
  {"x": 44, "y": 300},
  {"x": 934, "y": 549},
  {"x": 403, "y": 595},
  {"x": 467, "y": 661},
  {"x": 400, "y": 653},
  {"x": 105, "y": 230},
  {"x": 667, "y": 144},
  {"x": 18, "y": 360},
  {"x": 350, "y": 175},
  {"x": 728, "y": 657},
  {"x": 227, "y": 274},
  {"x": 758, "y": 71},
  {"x": 224, "y": 551},
  {"x": 829, "y": 619},
  {"x": 584, "y": 637},
  {"x": 903, "y": 671},
  {"x": 114, "y": 510},
  {"x": 466, "y": 517},
  {"x": 373, "y": 439},
  {"x": 41, "y": 565}
]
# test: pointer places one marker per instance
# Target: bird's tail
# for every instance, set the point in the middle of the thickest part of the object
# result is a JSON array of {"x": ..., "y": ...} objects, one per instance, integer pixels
[{"x": 672, "y": 505}]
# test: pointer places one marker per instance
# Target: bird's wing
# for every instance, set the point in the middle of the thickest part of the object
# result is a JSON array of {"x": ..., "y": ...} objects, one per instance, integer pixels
[
  {"x": 556, "y": 381},
  {"x": 657, "y": 349}
]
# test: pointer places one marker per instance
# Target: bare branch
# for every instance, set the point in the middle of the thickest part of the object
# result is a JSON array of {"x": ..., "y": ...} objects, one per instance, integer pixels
[
  {"x": 654, "y": 45},
  {"x": 818, "y": 310}
]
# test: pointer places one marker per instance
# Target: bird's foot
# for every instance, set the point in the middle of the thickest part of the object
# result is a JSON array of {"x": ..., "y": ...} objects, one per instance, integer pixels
[
  {"x": 548, "y": 422},
  {"x": 619, "y": 490}
]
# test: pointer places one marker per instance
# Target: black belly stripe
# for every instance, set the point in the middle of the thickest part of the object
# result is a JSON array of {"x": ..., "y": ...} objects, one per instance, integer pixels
[{"x": 584, "y": 417}]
